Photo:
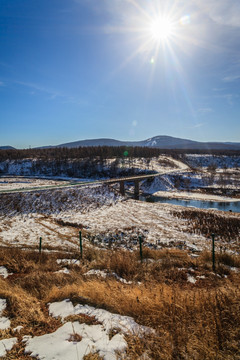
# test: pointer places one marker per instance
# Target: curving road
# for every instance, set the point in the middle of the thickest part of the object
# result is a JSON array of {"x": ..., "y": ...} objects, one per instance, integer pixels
[{"x": 94, "y": 182}]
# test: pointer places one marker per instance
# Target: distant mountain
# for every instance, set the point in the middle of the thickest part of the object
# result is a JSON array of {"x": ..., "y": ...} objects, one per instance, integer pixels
[
  {"x": 232, "y": 143},
  {"x": 101, "y": 142},
  {"x": 169, "y": 142},
  {"x": 161, "y": 142},
  {"x": 7, "y": 148}
]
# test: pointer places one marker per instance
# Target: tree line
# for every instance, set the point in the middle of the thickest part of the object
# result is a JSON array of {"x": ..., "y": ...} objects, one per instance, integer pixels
[{"x": 103, "y": 152}]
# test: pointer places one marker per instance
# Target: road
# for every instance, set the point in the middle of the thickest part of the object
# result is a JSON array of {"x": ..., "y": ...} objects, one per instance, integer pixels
[{"x": 94, "y": 182}]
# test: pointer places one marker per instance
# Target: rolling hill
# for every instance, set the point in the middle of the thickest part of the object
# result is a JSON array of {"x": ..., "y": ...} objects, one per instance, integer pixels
[{"x": 162, "y": 142}]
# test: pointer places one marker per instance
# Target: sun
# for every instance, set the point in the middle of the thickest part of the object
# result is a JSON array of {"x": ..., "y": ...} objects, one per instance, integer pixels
[{"x": 161, "y": 29}]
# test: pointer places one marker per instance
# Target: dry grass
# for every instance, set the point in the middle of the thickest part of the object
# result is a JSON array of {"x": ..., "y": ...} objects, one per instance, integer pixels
[
  {"x": 192, "y": 321},
  {"x": 92, "y": 357},
  {"x": 227, "y": 228}
]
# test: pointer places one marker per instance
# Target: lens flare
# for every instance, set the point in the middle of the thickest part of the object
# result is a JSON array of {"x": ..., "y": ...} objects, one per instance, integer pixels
[{"x": 185, "y": 20}]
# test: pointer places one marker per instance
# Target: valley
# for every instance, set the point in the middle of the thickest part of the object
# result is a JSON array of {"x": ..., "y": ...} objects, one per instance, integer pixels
[{"x": 109, "y": 299}]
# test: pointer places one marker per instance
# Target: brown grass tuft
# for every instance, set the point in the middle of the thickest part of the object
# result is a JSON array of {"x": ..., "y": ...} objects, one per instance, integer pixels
[{"x": 92, "y": 356}]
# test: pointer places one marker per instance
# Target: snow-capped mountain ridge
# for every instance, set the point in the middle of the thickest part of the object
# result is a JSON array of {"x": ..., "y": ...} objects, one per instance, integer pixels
[{"x": 159, "y": 141}]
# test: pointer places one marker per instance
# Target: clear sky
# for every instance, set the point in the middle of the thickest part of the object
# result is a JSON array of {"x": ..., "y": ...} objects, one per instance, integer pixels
[{"x": 129, "y": 70}]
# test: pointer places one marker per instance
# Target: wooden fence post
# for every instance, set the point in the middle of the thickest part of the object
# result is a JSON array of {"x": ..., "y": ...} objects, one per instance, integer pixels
[
  {"x": 213, "y": 252},
  {"x": 140, "y": 244},
  {"x": 80, "y": 243},
  {"x": 40, "y": 245}
]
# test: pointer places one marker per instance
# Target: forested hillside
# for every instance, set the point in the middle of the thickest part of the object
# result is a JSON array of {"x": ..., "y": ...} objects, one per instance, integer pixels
[{"x": 103, "y": 152}]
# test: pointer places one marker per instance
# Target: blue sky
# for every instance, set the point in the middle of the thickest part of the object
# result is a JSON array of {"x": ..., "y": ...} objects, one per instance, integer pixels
[{"x": 82, "y": 69}]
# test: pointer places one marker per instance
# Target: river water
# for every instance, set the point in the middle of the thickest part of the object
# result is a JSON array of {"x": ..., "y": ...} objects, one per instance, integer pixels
[{"x": 233, "y": 206}]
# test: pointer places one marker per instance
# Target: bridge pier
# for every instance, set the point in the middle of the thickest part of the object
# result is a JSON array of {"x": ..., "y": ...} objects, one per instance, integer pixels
[
  {"x": 132, "y": 179},
  {"x": 122, "y": 189}
]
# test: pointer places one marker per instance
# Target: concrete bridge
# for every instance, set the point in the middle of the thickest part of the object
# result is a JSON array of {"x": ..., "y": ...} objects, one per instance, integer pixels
[{"x": 135, "y": 179}]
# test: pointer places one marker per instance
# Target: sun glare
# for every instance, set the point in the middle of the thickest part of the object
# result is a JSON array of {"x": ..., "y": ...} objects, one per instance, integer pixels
[{"x": 161, "y": 29}]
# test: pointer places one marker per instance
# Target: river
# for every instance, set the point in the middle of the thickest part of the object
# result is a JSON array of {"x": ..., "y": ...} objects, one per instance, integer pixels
[{"x": 233, "y": 206}]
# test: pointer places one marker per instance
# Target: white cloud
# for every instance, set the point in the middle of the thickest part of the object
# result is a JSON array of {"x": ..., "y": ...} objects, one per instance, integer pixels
[
  {"x": 218, "y": 89},
  {"x": 197, "y": 125},
  {"x": 224, "y": 12},
  {"x": 205, "y": 111},
  {"x": 231, "y": 78},
  {"x": 230, "y": 98},
  {"x": 41, "y": 88},
  {"x": 53, "y": 94}
]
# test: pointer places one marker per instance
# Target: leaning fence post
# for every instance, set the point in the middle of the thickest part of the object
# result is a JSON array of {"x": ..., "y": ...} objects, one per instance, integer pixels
[
  {"x": 80, "y": 242},
  {"x": 40, "y": 245},
  {"x": 140, "y": 244},
  {"x": 213, "y": 251}
]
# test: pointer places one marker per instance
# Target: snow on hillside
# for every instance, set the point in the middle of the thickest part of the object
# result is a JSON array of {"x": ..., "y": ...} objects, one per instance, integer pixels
[
  {"x": 24, "y": 217},
  {"x": 223, "y": 161},
  {"x": 160, "y": 183},
  {"x": 100, "y": 212},
  {"x": 85, "y": 167},
  {"x": 55, "y": 201},
  {"x": 190, "y": 180}
]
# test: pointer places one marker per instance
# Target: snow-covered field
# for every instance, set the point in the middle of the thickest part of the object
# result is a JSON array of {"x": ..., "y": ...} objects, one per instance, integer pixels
[
  {"x": 20, "y": 182},
  {"x": 105, "y": 218},
  {"x": 128, "y": 219},
  {"x": 14, "y": 183}
]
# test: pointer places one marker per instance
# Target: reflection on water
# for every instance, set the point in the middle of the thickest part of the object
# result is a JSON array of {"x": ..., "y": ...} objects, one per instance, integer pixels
[{"x": 224, "y": 206}]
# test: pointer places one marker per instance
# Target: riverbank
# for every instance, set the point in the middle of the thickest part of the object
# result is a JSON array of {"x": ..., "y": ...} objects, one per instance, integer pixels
[{"x": 194, "y": 196}]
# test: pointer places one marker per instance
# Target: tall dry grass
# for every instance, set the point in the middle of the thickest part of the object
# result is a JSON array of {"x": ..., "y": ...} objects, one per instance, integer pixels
[
  {"x": 191, "y": 321},
  {"x": 205, "y": 223}
]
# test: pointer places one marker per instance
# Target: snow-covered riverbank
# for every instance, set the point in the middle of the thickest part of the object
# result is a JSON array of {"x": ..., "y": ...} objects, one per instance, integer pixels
[{"x": 194, "y": 196}]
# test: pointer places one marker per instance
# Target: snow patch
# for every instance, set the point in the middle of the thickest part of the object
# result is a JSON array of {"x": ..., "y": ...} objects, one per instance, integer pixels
[
  {"x": 104, "y": 274},
  {"x": 191, "y": 279},
  {"x": 4, "y": 322},
  {"x": 63, "y": 271},
  {"x": 109, "y": 321},
  {"x": 7, "y": 345},
  {"x": 74, "y": 341},
  {"x": 18, "y": 328},
  {"x": 3, "y": 272},
  {"x": 68, "y": 261}
]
